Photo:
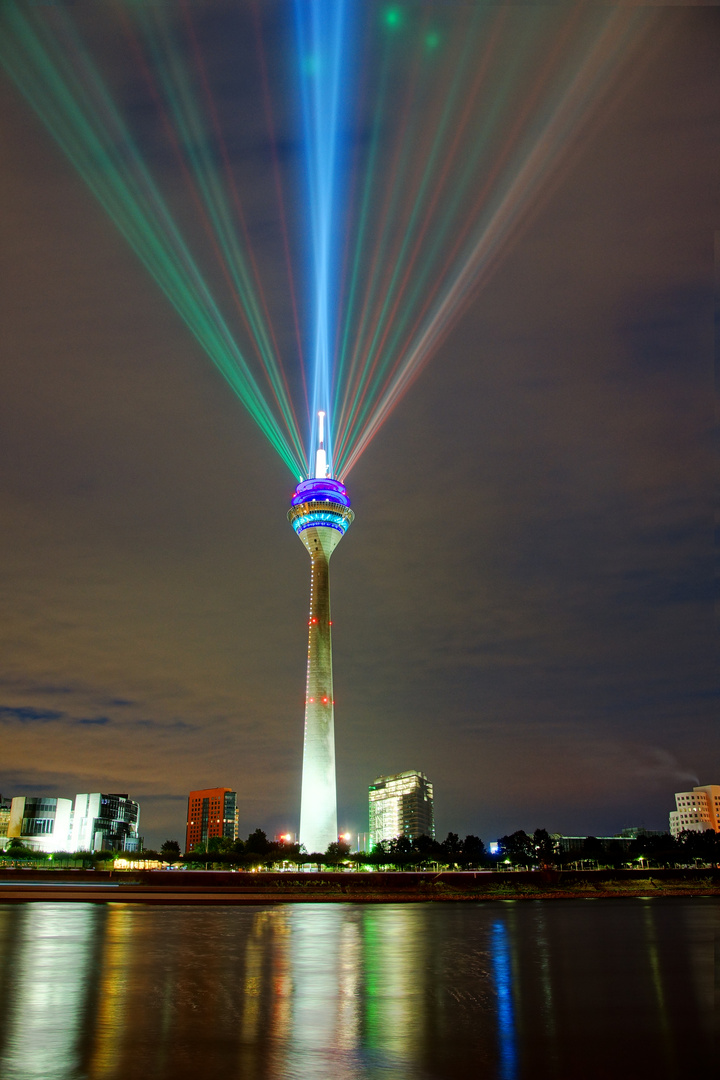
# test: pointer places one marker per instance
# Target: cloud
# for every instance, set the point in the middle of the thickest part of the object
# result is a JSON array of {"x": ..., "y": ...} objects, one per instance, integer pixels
[
  {"x": 27, "y": 686},
  {"x": 27, "y": 715},
  {"x": 662, "y": 765},
  {"x": 664, "y": 330},
  {"x": 172, "y": 725},
  {"x": 94, "y": 720}
]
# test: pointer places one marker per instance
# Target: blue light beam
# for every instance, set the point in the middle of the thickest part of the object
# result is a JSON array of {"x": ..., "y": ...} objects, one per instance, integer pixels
[{"x": 323, "y": 29}]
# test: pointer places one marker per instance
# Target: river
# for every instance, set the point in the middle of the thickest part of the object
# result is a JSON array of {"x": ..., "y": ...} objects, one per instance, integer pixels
[{"x": 501, "y": 990}]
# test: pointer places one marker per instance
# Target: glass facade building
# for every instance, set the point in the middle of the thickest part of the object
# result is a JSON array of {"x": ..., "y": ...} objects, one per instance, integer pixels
[
  {"x": 41, "y": 822},
  {"x": 401, "y": 805},
  {"x": 106, "y": 823},
  {"x": 4, "y": 821}
]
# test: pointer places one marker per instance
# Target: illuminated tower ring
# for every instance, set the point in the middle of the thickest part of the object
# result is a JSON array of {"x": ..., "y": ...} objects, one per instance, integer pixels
[{"x": 320, "y": 514}]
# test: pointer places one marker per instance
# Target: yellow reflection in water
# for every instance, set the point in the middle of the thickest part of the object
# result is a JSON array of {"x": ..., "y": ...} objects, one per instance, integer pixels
[
  {"x": 657, "y": 981},
  {"x": 252, "y": 986},
  {"x": 46, "y": 1004},
  {"x": 281, "y": 974},
  {"x": 112, "y": 991}
]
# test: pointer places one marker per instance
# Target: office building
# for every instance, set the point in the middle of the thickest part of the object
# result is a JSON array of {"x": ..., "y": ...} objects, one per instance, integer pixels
[
  {"x": 4, "y": 821},
  {"x": 575, "y": 845},
  {"x": 401, "y": 805},
  {"x": 105, "y": 823},
  {"x": 42, "y": 823},
  {"x": 211, "y": 812},
  {"x": 697, "y": 810}
]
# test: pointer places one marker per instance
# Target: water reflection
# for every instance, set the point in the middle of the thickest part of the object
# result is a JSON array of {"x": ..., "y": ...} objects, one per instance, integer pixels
[
  {"x": 653, "y": 958},
  {"x": 113, "y": 985},
  {"x": 545, "y": 978},
  {"x": 47, "y": 990},
  {"x": 504, "y": 982},
  {"x": 352, "y": 992},
  {"x": 324, "y": 959},
  {"x": 396, "y": 970}
]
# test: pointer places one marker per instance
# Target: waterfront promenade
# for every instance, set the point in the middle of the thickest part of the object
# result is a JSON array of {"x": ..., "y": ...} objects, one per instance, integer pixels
[{"x": 223, "y": 887}]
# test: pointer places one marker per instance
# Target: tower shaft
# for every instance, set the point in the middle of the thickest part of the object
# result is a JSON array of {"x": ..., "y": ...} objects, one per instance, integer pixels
[{"x": 318, "y": 807}]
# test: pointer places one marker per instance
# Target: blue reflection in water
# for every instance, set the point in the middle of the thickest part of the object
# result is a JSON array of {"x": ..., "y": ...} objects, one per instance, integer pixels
[
  {"x": 502, "y": 976},
  {"x": 48, "y": 992}
]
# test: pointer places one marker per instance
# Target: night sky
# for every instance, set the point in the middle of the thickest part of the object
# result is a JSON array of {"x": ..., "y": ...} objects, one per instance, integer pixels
[{"x": 523, "y": 608}]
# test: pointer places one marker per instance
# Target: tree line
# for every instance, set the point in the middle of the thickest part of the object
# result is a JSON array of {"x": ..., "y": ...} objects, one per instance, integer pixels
[
  {"x": 524, "y": 850},
  {"x": 518, "y": 850}
]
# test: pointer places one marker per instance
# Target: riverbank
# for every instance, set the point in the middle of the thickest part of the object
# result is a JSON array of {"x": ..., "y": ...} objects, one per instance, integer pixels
[{"x": 227, "y": 888}]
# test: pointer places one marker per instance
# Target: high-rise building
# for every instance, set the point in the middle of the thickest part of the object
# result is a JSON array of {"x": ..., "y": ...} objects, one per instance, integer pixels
[
  {"x": 41, "y": 822},
  {"x": 105, "y": 823},
  {"x": 320, "y": 514},
  {"x": 401, "y": 805},
  {"x": 5, "y": 805},
  {"x": 697, "y": 810},
  {"x": 211, "y": 812}
]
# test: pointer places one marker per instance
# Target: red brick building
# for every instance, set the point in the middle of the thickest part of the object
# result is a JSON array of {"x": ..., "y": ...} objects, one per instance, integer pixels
[{"x": 211, "y": 812}]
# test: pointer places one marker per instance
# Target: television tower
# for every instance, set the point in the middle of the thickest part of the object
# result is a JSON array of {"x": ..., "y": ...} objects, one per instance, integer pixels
[{"x": 320, "y": 514}]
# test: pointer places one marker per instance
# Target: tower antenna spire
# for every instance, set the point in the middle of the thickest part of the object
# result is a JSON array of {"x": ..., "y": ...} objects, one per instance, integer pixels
[{"x": 321, "y": 465}]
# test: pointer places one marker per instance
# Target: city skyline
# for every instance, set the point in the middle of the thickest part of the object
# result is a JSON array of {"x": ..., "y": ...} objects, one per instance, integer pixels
[{"x": 542, "y": 638}]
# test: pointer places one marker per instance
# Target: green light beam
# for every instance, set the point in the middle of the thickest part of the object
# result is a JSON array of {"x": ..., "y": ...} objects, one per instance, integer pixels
[
  {"x": 191, "y": 127},
  {"x": 100, "y": 149}
]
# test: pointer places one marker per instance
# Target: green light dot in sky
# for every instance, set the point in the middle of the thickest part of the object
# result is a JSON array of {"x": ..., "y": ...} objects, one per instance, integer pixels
[
  {"x": 393, "y": 17},
  {"x": 432, "y": 40}
]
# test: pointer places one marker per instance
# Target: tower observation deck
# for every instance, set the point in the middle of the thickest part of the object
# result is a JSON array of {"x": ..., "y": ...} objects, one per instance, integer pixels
[{"x": 320, "y": 514}]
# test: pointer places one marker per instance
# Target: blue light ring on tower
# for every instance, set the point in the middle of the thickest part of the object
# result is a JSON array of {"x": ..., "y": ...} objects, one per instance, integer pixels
[
  {"x": 322, "y": 490},
  {"x": 300, "y": 526},
  {"x": 319, "y": 515}
]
